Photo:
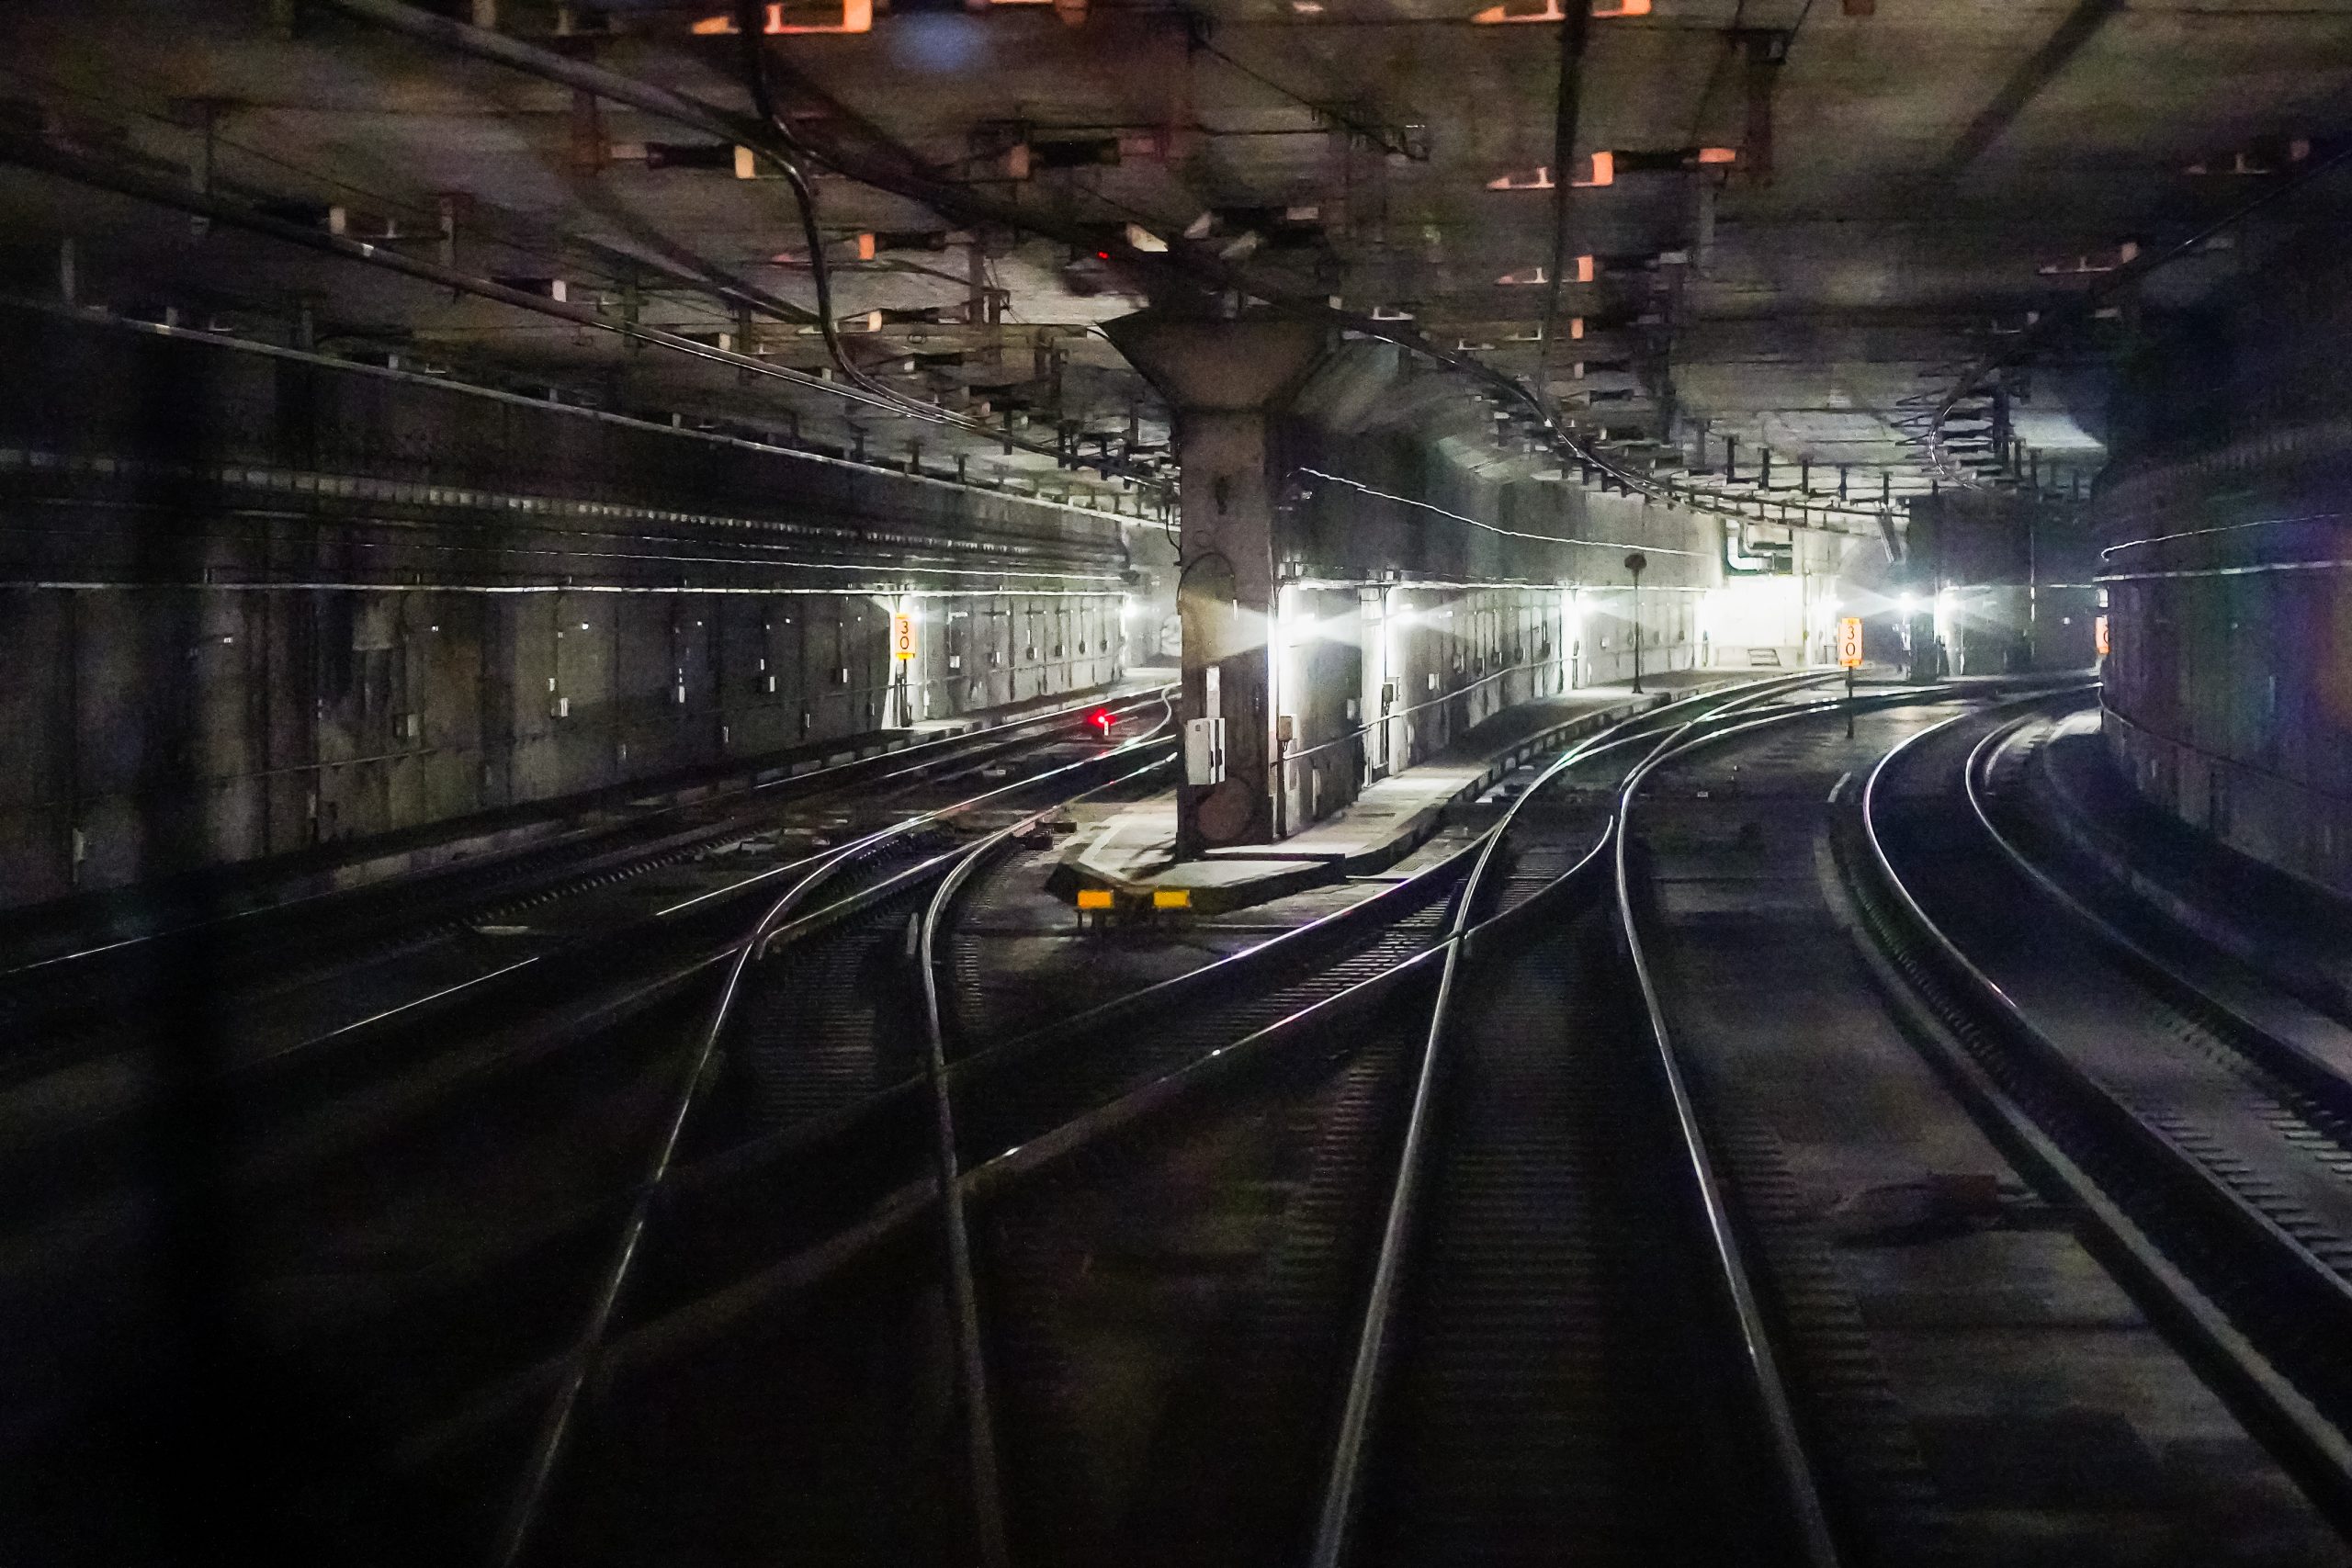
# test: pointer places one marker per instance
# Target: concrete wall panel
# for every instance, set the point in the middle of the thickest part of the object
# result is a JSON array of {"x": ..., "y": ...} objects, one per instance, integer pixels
[{"x": 457, "y": 603}]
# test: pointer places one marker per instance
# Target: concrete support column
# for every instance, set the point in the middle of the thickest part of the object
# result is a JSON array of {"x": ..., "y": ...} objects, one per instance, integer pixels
[
  {"x": 1922, "y": 552},
  {"x": 1227, "y": 382}
]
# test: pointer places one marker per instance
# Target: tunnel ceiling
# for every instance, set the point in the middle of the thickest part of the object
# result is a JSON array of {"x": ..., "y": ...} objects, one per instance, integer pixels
[{"x": 1818, "y": 212}]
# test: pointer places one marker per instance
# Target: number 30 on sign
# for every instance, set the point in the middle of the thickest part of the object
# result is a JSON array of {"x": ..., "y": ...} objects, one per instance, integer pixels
[
  {"x": 902, "y": 637},
  {"x": 1849, "y": 642}
]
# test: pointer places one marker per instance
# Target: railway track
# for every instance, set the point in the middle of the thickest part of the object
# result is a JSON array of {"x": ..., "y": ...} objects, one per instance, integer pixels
[
  {"x": 1265, "y": 1383},
  {"x": 2207, "y": 1147},
  {"x": 2244, "y": 930},
  {"x": 71, "y": 996},
  {"x": 852, "y": 1293},
  {"x": 1536, "y": 1376},
  {"x": 769, "y": 1230},
  {"x": 2266, "y": 1026},
  {"x": 354, "y": 1308},
  {"x": 587, "y": 932}
]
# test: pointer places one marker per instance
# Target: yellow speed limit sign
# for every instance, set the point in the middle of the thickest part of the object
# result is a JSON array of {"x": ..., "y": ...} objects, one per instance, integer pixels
[
  {"x": 902, "y": 637},
  {"x": 1850, "y": 641}
]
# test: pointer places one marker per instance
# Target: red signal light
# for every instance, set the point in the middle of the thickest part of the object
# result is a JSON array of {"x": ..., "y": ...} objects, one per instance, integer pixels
[{"x": 1101, "y": 720}]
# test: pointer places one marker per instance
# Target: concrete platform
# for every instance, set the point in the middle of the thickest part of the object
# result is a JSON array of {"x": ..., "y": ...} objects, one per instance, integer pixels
[{"x": 1132, "y": 855}]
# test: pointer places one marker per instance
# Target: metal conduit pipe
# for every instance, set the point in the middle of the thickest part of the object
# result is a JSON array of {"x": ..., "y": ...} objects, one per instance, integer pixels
[
  {"x": 746, "y": 131},
  {"x": 1736, "y": 561},
  {"x": 709, "y": 279},
  {"x": 862, "y": 388},
  {"x": 804, "y": 199}
]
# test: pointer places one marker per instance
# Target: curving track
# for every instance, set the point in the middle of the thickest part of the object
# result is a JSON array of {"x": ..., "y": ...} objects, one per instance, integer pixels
[
  {"x": 815, "y": 1220},
  {"x": 2209, "y": 1147},
  {"x": 349, "y": 1317},
  {"x": 1410, "y": 1233}
]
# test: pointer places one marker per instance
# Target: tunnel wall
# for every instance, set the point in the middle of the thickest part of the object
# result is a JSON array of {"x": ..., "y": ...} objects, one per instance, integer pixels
[
  {"x": 2228, "y": 689},
  {"x": 1378, "y": 679},
  {"x": 1406, "y": 623},
  {"x": 2012, "y": 580},
  {"x": 252, "y": 606}
]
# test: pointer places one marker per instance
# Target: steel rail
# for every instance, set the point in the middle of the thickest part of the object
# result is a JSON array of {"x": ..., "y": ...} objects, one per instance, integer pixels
[
  {"x": 702, "y": 1319},
  {"x": 908, "y": 761},
  {"x": 710, "y": 1316},
  {"x": 1766, "y": 1381},
  {"x": 1392, "y": 902},
  {"x": 1250, "y": 966},
  {"x": 980, "y": 1441},
  {"x": 504, "y": 1399},
  {"x": 940, "y": 1074},
  {"x": 1244, "y": 968},
  {"x": 2304, "y": 1071},
  {"x": 991, "y": 747},
  {"x": 556, "y": 1427},
  {"x": 2310, "y": 1443},
  {"x": 1343, "y": 1498},
  {"x": 643, "y": 1345},
  {"x": 979, "y": 1421},
  {"x": 283, "y": 1068},
  {"x": 1794, "y": 1469}
]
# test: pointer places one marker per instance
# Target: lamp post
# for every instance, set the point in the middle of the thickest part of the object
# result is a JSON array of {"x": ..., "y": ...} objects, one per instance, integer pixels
[{"x": 1634, "y": 563}]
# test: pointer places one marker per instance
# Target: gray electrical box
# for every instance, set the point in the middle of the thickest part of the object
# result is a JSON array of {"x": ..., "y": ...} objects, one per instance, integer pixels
[{"x": 1203, "y": 750}]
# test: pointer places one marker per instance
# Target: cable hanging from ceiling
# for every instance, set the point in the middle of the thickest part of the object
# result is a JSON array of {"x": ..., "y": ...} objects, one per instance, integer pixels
[{"x": 1184, "y": 267}]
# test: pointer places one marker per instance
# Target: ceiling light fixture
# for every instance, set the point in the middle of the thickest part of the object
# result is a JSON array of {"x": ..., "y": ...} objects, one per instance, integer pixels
[
  {"x": 1494, "y": 16},
  {"x": 857, "y": 17},
  {"x": 1531, "y": 179},
  {"x": 1599, "y": 170}
]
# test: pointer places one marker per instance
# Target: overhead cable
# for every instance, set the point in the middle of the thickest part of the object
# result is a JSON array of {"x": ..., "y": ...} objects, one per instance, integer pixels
[{"x": 1491, "y": 527}]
